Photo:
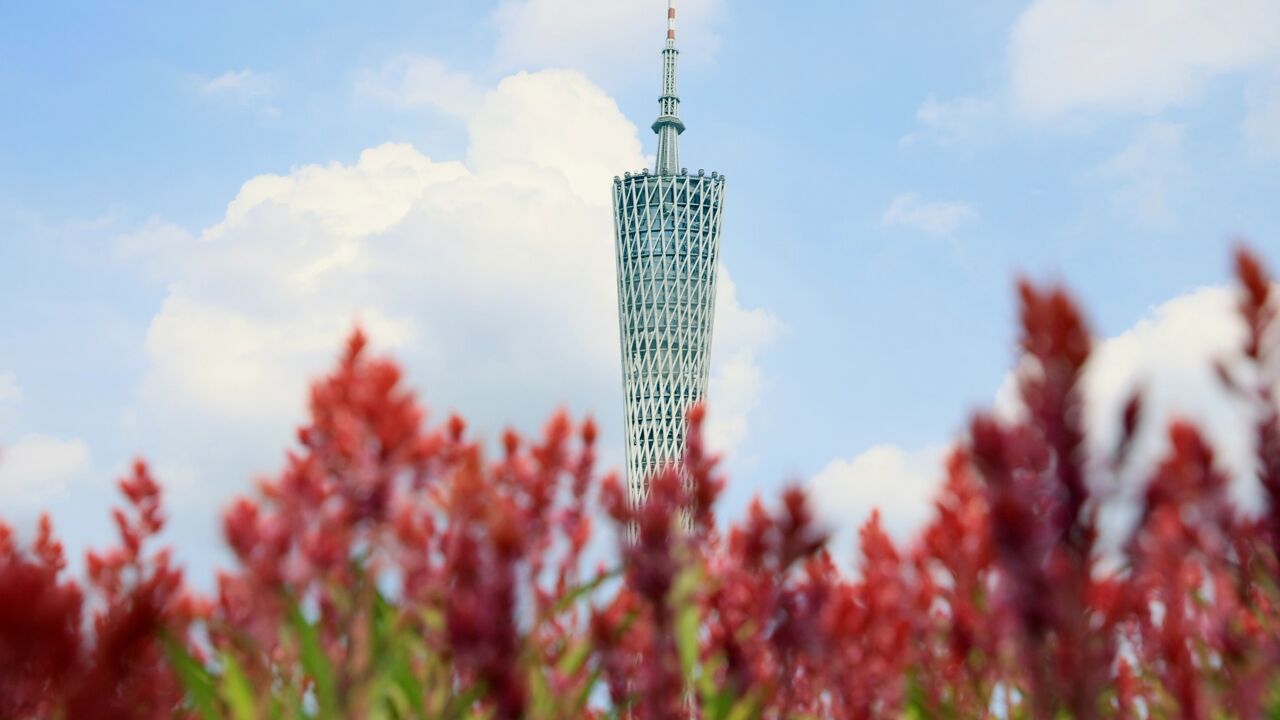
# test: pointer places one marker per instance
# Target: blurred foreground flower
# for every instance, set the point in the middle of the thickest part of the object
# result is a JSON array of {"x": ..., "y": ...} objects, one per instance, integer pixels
[{"x": 393, "y": 569}]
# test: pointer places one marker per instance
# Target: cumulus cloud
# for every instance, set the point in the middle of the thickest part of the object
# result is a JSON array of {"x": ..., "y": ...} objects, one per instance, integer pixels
[
  {"x": 602, "y": 37},
  {"x": 492, "y": 279},
  {"x": 1148, "y": 174},
  {"x": 417, "y": 81},
  {"x": 939, "y": 219},
  {"x": 1169, "y": 357},
  {"x": 1133, "y": 55},
  {"x": 37, "y": 469},
  {"x": 899, "y": 483},
  {"x": 737, "y": 381},
  {"x": 557, "y": 122}
]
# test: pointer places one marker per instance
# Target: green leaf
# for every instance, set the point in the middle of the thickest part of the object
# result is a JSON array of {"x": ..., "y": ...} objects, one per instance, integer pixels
[
  {"x": 237, "y": 691},
  {"x": 746, "y": 708},
  {"x": 706, "y": 684},
  {"x": 915, "y": 708},
  {"x": 392, "y": 645},
  {"x": 584, "y": 696},
  {"x": 197, "y": 680},
  {"x": 586, "y": 588},
  {"x": 718, "y": 705},
  {"x": 542, "y": 702},
  {"x": 388, "y": 701},
  {"x": 1273, "y": 702},
  {"x": 687, "y": 624},
  {"x": 275, "y": 709},
  {"x": 687, "y": 621},
  {"x": 574, "y": 658},
  {"x": 398, "y": 674},
  {"x": 432, "y": 619},
  {"x": 315, "y": 663},
  {"x": 462, "y": 703}
]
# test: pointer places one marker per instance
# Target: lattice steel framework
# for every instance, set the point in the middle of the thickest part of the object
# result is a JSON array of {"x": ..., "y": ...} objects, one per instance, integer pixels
[{"x": 667, "y": 231}]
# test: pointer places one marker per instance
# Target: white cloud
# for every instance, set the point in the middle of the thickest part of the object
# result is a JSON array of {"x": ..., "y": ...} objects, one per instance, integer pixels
[
  {"x": 555, "y": 121},
  {"x": 1149, "y": 173},
  {"x": 158, "y": 245},
  {"x": 737, "y": 379},
  {"x": 10, "y": 400},
  {"x": 1133, "y": 55},
  {"x": 247, "y": 88},
  {"x": 602, "y": 38},
  {"x": 939, "y": 219},
  {"x": 1169, "y": 356},
  {"x": 235, "y": 82},
  {"x": 34, "y": 469},
  {"x": 897, "y": 482},
  {"x": 950, "y": 122},
  {"x": 413, "y": 81},
  {"x": 492, "y": 280},
  {"x": 38, "y": 469}
]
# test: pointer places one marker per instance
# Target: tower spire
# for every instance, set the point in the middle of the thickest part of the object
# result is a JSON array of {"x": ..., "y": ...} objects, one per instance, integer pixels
[{"x": 668, "y": 125}]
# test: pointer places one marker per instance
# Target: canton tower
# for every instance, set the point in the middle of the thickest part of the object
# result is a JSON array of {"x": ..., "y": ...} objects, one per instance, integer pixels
[{"x": 667, "y": 232}]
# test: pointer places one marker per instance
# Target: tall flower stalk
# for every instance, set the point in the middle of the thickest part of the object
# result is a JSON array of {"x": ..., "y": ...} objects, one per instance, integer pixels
[{"x": 397, "y": 568}]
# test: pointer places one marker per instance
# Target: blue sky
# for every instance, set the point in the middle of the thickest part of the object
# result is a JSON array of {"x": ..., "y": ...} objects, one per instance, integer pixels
[{"x": 189, "y": 219}]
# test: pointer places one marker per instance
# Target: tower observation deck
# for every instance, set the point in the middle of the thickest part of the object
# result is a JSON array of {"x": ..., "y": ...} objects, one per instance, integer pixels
[{"x": 667, "y": 232}]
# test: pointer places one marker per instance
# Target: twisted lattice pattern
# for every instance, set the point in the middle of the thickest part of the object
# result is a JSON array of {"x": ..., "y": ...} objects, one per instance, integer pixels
[{"x": 668, "y": 236}]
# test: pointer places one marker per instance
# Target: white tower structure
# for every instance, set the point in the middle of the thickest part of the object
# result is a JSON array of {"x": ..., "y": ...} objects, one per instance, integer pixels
[{"x": 667, "y": 232}]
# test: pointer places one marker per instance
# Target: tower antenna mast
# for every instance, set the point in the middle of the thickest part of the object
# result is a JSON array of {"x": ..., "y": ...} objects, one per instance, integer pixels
[{"x": 668, "y": 126}]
